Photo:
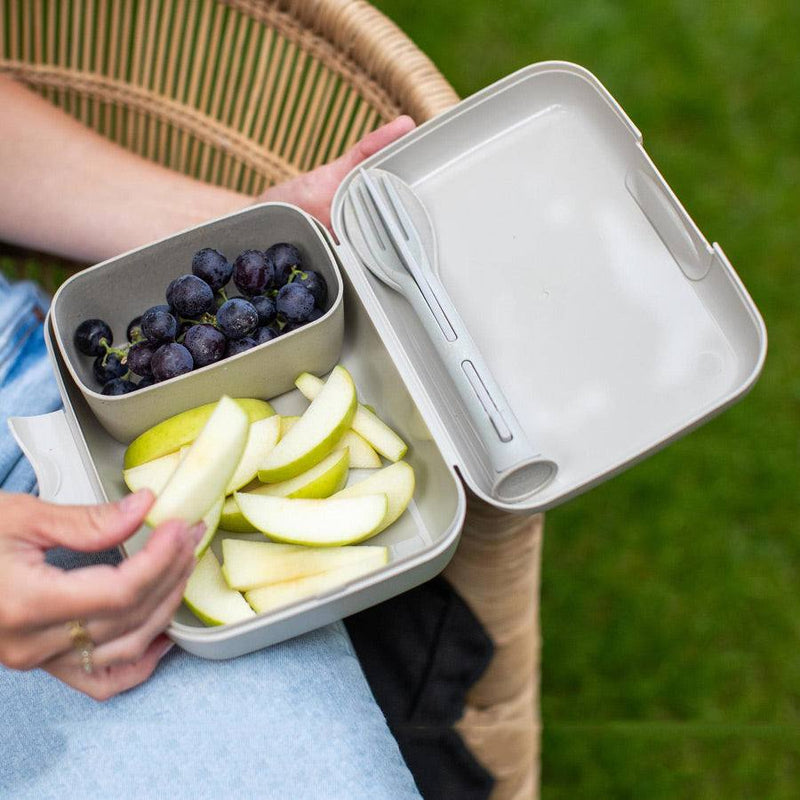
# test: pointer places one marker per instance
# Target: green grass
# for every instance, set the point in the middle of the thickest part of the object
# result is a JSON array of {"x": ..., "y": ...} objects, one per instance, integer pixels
[{"x": 671, "y": 594}]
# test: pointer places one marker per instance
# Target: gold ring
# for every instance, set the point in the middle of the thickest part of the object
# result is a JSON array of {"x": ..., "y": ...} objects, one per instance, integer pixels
[{"x": 82, "y": 642}]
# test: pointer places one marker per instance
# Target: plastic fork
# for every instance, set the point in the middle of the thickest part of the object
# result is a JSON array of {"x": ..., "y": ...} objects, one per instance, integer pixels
[{"x": 391, "y": 246}]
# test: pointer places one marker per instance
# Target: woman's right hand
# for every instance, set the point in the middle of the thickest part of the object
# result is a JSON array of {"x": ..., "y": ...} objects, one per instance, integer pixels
[{"x": 124, "y": 608}]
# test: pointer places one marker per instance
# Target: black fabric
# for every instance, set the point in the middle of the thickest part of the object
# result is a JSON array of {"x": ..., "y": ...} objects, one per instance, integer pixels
[{"x": 421, "y": 652}]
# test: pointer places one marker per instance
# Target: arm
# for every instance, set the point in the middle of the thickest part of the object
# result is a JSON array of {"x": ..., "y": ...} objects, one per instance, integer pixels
[{"x": 67, "y": 190}]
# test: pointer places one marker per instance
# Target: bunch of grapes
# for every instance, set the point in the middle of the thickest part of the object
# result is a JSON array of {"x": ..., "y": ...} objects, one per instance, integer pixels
[{"x": 200, "y": 324}]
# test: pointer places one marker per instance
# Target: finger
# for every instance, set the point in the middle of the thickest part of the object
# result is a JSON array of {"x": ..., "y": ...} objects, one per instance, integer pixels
[
  {"x": 132, "y": 646},
  {"x": 105, "y": 682},
  {"x": 47, "y": 643},
  {"x": 377, "y": 140},
  {"x": 85, "y": 528},
  {"x": 89, "y": 592}
]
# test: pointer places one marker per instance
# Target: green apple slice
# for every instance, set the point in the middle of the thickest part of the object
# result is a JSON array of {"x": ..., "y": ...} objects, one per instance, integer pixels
[
  {"x": 204, "y": 472},
  {"x": 152, "y": 475},
  {"x": 249, "y": 565},
  {"x": 211, "y": 519},
  {"x": 210, "y": 598},
  {"x": 320, "y": 523},
  {"x": 362, "y": 454},
  {"x": 286, "y": 425},
  {"x": 183, "y": 428},
  {"x": 316, "y": 433},
  {"x": 261, "y": 438},
  {"x": 365, "y": 422},
  {"x": 268, "y": 598},
  {"x": 395, "y": 481},
  {"x": 233, "y": 520},
  {"x": 233, "y": 567},
  {"x": 322, "y": 480}
]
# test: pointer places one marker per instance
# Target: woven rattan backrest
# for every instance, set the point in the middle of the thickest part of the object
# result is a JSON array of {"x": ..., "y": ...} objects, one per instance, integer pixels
[{"x": 241, "y": 93}]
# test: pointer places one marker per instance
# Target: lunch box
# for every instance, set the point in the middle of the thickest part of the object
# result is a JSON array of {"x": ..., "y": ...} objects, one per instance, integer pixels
[{"x": 610, "y": 324}]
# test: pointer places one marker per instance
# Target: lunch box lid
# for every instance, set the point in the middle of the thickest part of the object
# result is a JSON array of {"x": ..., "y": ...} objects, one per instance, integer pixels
[{"x": 609, "y": 322}]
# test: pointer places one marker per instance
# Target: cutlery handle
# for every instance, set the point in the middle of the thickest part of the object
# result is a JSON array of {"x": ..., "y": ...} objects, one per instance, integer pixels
[{"x": 519, "y": 468}]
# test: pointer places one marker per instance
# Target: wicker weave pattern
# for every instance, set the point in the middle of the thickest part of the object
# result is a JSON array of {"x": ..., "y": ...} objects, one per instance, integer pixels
[{"x": 243, "y": 93}]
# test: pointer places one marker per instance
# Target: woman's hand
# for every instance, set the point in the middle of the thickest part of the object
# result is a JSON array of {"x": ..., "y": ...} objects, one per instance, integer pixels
[
  {"x": 124, "y": 608},
  {"x": 313, "y": 191}
]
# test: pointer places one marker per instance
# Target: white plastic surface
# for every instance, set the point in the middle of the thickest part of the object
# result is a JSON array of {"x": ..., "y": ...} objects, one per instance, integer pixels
[{"x": 49, "y": 445}]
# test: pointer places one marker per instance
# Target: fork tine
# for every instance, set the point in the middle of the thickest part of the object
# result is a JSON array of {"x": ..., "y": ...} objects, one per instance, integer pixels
[
  {"x": 370, "y": 215},
  {"x": 366, "y": 222},
  {"x": 402, "y": 215}
]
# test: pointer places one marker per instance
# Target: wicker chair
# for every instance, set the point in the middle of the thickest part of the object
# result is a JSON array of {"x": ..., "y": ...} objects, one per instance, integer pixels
[{"x": 244, "y": 94}]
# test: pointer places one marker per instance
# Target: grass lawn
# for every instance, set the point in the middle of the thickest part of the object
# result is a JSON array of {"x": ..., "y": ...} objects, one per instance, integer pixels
[{"x": 671, "y": 595}]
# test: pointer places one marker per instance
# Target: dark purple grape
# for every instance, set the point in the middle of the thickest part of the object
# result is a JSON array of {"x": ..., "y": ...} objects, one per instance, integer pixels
[
  {"x": 315, "y": 314},
  {"x": 236, "y": 346},
  {"x": 89, "y": 335},
  {"x": 252, "y": 272},
  {"x": 291, "y": 326},
  {"x": 266, "y": 309},
  {"x": 134, "y": 330},
  {"x": 205, "y": 343},
  {"x": 107, "y": 367},
  {"x": 117, "y": 386},
  {"x": 237, "y": 318},
  {"x": 212, "y": 267},
  {"x": 169, "y": 293},
  {"x": 315, "y": 284},
  {"x": 191, "y": 296},
  {"x": 284, "y": 256},
  {"x": 158, "y": 324},
  {"x": 171, "y": 360},
  {"x": 265, "y": 334},
  {"x": 139, "y": 357},
  {"x": 145, "y": 382},
  {"x": 294, "y": 303}
]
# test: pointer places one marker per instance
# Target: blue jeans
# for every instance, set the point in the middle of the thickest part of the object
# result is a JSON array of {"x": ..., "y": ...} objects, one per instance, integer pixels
[{"x": 296, "y": 720}]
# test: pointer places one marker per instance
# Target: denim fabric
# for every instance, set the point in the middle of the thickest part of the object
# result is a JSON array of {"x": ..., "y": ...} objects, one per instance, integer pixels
[{"x": 294, "y": 721}]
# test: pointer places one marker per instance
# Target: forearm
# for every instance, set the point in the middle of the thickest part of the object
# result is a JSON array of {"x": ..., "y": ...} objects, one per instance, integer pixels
[{"x": 67, "y": 190}]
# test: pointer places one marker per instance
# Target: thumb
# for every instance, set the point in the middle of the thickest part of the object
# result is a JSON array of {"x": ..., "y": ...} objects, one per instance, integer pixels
[{"x": 86, "y": 528}]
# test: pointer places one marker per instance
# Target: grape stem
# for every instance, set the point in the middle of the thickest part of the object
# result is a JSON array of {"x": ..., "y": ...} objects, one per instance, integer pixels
[{"x": 122, "y": 351}]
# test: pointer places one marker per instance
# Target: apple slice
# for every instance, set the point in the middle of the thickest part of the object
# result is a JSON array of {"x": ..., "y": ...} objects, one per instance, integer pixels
[
  {"x": 362, "y": 454},
  {"x": 261, "y": 438},
  {"x": 152, "y": 475},
  {"x": 268, "y": 598},
  {"x": 204, "y": 472},
  {"x": 233, "y": 520},
  {"x": 322, "y": 480},
  {"x": 320, "y": 523},
  {"x": 395, "y": 481},
  {"x": 314, "y": 435},
  {"x": 210, "y": 598},
  {"x": 365, "y": 422},
  {"x": 233, "y": 556},
  {"x": 183, "y": 428},
  {"x": 211, "y": 519},
  {"x": 249, "y": 565}
]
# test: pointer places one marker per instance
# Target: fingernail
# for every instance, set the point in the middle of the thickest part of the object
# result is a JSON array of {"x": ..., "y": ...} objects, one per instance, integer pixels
[
  {"x": 196, "y": 532},
  {"x": 136, "y": 502}
]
